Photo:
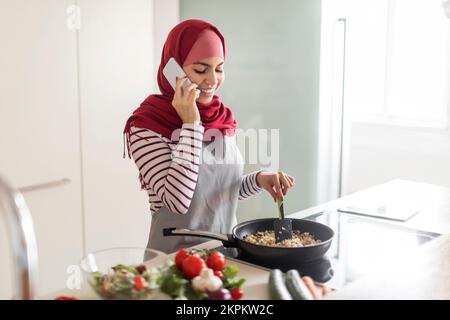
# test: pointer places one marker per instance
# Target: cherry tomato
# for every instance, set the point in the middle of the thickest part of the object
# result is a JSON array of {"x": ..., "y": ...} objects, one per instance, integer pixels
[
  {"x": 139, "y": 283},
  {"x": 180, "y": 256},
  {"x": 192, "y": 265},
  {"x": 237, "y": 293},
  {"x": 216, "y": 261},
  {"x": 218, "y": 274}
]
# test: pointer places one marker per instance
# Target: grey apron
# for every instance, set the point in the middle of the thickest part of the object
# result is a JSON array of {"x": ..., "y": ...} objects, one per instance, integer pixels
[{"x": 213, "y": 206}]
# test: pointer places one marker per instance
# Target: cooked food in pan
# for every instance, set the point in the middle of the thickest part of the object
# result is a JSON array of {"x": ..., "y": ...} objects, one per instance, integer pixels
[{"x": 267, "y": 238}]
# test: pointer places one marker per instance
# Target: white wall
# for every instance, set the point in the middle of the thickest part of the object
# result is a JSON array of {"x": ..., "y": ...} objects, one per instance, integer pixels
[
  {"x": 272, "y": 82},
  {"x": 166, "y": 16},
  {"x": 382, "y": 153}
]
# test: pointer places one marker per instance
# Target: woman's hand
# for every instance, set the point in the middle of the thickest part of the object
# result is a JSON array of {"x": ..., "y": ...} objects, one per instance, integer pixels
[
  {"x": 276, "y": 183},
  {"x": 184, "y": 101}
]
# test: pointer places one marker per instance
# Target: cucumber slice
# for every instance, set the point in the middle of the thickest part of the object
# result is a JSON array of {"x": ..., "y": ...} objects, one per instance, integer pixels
[
  {"x": 277, "y": 287},
  {"x": 296, "y": 286}
]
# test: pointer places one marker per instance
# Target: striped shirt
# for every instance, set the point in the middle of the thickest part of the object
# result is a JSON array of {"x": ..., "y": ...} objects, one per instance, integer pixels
[{"x": 170, "y": 170}]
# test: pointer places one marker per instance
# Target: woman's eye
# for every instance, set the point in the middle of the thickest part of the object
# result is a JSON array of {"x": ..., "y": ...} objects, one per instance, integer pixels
[{"x": 203, "y": 71}]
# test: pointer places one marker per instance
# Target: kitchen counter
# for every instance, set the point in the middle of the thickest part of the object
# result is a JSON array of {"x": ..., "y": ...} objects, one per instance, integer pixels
[{"x": 425, "y": 275}]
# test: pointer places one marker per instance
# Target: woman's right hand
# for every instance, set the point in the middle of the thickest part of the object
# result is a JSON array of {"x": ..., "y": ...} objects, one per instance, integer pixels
[{"x": 184, "y": 101}]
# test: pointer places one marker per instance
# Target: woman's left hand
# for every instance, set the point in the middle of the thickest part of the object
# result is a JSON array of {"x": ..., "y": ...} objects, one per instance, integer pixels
[{"x": 276, "y": 183}]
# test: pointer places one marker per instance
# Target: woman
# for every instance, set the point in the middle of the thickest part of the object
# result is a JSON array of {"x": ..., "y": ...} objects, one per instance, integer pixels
[{"x": 188, "y": 185}]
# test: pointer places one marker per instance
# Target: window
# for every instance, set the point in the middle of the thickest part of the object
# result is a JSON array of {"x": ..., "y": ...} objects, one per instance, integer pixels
[{"x": 397, "y": 62}]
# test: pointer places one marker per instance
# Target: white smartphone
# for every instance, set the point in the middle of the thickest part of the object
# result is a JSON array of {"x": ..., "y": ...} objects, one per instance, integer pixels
[{"x": 172, "y": 70}]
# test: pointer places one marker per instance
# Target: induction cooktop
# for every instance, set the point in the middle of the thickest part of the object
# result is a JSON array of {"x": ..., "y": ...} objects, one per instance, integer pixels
[{"x": 360, "y": 246}]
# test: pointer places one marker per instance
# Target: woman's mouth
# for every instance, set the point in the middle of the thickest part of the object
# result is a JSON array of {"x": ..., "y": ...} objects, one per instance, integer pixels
[{"x": 206, "y": 92}]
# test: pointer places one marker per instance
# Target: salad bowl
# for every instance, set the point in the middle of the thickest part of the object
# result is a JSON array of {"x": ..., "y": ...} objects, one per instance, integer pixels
[{"x": 123, "y": 273}]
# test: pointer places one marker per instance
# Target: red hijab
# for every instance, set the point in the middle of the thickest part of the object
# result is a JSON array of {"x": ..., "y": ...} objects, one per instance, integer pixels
[{"x": 156, "y": 112}]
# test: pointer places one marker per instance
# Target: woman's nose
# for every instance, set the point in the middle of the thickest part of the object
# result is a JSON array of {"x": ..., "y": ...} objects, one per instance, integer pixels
[{"x": 212, "y": 79}]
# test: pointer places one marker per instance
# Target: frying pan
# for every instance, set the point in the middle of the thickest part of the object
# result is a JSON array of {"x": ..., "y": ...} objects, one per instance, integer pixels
[{"x": 266, "y": 253}]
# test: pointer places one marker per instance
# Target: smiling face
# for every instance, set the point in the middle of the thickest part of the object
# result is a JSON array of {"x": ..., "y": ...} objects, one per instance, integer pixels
[{"x": 208, "y": 74}]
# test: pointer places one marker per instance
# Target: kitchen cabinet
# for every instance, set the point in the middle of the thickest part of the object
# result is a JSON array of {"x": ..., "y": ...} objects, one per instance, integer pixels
[
  {"x": 72, "y": 72},
  {"x": 40, "y": 127},
  {"x": 116, "y": 75}
]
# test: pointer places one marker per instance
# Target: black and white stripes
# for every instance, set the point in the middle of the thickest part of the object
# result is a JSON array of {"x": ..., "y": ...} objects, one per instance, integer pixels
[
  {"x": 170, "y": 170},
  {"x": 248, "y": 186}
]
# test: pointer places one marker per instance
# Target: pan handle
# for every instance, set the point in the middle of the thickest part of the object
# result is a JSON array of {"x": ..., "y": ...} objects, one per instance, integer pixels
[{"x": 227, "y": 239}]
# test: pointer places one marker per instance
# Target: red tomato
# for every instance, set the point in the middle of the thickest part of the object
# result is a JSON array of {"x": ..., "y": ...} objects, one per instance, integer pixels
[
  {"x": 139, "y": 283},
  {"x": 218, "y": 274},
  {"x": 216, "y": 261},
  {"x": 192, "y": 265},
  {"x": 180, "y": 256},
  {"x": 237, "y": 293}
]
